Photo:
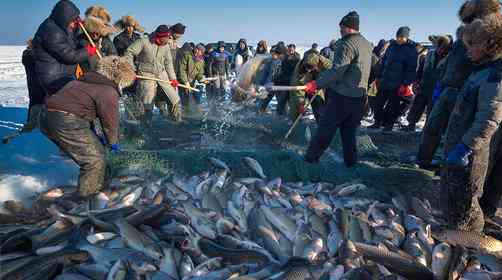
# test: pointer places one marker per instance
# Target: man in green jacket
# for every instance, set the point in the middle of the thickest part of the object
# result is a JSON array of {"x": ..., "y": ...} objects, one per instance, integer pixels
[
  {"x": 346, "y": 86},
  {"x": 153, "y": 59},
  {"x": 307, "y": 70},
  {"x": 191, "y": 69}
]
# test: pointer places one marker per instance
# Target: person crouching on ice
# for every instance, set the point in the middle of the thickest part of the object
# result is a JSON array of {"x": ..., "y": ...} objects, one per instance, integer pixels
[{"x": 66, "y": 120}]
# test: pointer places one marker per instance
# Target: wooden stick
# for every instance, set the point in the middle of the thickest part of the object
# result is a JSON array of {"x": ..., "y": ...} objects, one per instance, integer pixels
[
  {"x": 300, "y": 116},
  {"x": 166, "y": 81},
  {"x": 285, "y": 88},
  {"x": 90, "y": 39}
]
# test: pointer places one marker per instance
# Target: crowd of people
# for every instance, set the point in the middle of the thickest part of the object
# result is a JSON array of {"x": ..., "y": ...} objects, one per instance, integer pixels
[{"x": 76, "y": 73}]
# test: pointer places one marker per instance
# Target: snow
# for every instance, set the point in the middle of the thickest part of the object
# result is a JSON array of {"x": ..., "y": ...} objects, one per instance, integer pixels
[{"x": 30, "y": 163}]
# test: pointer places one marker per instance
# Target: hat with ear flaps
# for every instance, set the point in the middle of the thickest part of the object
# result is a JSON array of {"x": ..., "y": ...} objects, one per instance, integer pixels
[
  {"x": 117, "y": 69},
  {"x": 95, "y": 25},
  {"x": 439, "y": 40},
  {"x": 99, "y": 12},
  {"x": 473, "y": 9},
  {"x": 129, "y": 21},
  {"x": 487, "y": 33}
]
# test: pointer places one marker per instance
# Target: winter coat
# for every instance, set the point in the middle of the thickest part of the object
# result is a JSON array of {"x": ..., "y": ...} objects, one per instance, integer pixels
[
  {"x": 351, "y": 67},
  {"x": 151, "y": 59},
  {"x": 399, "y": 66},
  {"x": 93, "y": 96},
  {"x": 300, "y": 76},
  {"x": 458, "y": 66},
  {"x": 477, "y": 115},
  {"x": 328, "y": 53},
  {"x": 433, "y": 68},
  {"x": 288, "y": 68},
  {"x": 219, "y": 63},
  {"x": 55, "y": 48},
  {"x": 35, "y": 91},
  {"x": 123, "y": 41},
  {"x": 190, "y": 69},
  {"x": 245, "y": 53},
  {"x": 271, "y": 72},
  {"x": 107, "y": 47}
]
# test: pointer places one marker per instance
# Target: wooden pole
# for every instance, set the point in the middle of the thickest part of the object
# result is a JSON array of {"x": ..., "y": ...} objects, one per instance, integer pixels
[
  {"x": 166, "y": 81},
  {"x": 300, "y": 116},
  {"x": 90, "y": 39},
  {"x": 285, "y": 88}
]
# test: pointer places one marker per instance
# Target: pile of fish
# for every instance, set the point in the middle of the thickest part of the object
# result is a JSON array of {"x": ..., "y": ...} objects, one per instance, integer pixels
[{"x": 215, "y": 226}]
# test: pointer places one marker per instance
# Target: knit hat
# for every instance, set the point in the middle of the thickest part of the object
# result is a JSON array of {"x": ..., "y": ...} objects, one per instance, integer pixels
[
  {"x": 162, "y": 31},
  {"x": 351, "y": 20},
  {"x": 178, "y": 28},
  {"x": 221, "y": 44},
  {"x": 403, "y": 31}
]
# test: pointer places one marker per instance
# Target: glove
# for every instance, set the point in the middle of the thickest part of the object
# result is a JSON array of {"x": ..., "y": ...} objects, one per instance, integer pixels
[
  {"x": 311, "y": 88},
  {"x": 115, "y": 148},
  {"x": 459, "y": 156},
  {"x": 301, "y": 109},
  {"x": 405, "y": 91},
  {"x": 187, "y": 84},
  {"x": 91, "y": 51},
  {"x": 436, "y": 93},
  {"x": 175, "y": 83}
]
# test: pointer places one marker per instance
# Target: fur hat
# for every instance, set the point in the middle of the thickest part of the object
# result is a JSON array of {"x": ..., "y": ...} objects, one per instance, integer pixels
[
  {"x": 486, "y": 32},
  {"x": 439, "y": 40},
  {"x": 129, "y": 21},
  {"x": 96, "y": 25},
  {"x": 178, "y": 28},
  {"x": 117, "y": 69},
  {"x": 473, "y": 9},
  {"x": 99, "y": 12}
]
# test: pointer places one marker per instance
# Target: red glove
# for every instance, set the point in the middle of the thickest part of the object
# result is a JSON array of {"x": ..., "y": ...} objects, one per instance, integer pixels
[
  {"x": 174, "y": 83},
  {"x": 311, "y": 88},
  {"x": 405, "y": 91},
  {"x": 301, "y": 108},
  {"x": 91, "y": 51}
]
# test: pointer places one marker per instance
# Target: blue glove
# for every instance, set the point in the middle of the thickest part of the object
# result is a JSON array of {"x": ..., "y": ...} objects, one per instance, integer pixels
[
  {"x": 115, "y": 148},
  {"x": 436, "y": 93},
  {"x": 459, "y": 156}
]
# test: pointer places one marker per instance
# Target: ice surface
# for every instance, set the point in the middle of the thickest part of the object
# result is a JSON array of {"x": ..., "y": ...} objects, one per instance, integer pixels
[{"x": 30, "y": 163}]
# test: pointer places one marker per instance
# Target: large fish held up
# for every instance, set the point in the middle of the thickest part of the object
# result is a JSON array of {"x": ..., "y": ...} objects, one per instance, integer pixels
[{"x": 250, "y": 75}]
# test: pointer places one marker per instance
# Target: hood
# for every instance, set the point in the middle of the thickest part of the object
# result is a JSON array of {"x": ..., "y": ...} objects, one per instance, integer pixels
[
  {"x": 63, "y": 13},
  {"x": 239, "y": 45},
  {"x": 488, "y": 33},
  {"x": 474, "y": 9},
  {"x": 117, "y": 69}
]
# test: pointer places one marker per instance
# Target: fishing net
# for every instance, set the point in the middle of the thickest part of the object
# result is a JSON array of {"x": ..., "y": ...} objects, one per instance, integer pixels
[{"x": 235, "y": 132}]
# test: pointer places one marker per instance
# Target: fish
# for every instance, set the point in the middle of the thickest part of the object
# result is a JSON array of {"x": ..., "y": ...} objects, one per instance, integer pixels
[
  {"x": 413, "y": 247},
  {"x": 118, "y": 271},
  {"x": 349, "y": 190},
  {"x": 218, "y": 163},
  {"x": 394, "y": 262},
  {"x": 136, "y": 240},
  {"x": 36, "y": 265},
  {"x": 281, "y": 222},
  {"x": 472, "y": 240},
  {"x": 255, "y": 166}
]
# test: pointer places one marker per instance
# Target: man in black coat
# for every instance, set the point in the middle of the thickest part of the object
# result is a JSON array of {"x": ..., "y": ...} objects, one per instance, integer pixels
[
  {"x": 55, "y": 50},
  {"x": 128, "y": 36},
  {"x": 399, "y": 72}
]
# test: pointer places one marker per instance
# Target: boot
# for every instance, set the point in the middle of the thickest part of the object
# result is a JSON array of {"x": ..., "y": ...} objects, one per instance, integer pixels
[
  {"x": 176, "y": 113},
  {"x": 146, "y": 119}
]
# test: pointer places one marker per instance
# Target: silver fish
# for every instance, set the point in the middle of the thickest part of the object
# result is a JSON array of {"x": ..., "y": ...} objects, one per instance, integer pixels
[{"x": 255, "y": 166}]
